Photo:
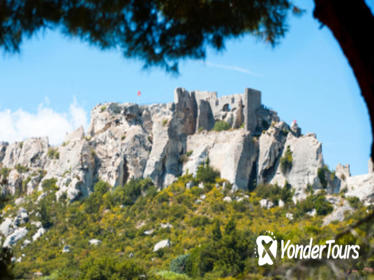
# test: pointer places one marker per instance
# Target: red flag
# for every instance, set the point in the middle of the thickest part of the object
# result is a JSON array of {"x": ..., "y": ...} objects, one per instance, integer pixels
[{"x": 139, "y": 93}]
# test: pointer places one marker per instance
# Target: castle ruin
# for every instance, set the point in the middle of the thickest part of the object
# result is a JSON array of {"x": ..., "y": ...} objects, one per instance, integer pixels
[{"x": 238, "y": 110}]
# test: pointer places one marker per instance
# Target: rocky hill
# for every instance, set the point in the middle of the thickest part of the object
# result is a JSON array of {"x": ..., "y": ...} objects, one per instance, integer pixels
[
  {"x": 174, "y": 191},
  {"x": 245, "y": 141}
]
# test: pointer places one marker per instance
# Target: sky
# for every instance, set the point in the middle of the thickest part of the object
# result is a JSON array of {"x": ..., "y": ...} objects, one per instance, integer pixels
[{"x": 51, "y": 86}]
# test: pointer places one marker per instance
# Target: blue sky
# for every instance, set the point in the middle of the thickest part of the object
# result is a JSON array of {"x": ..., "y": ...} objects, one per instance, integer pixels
[{"x": 51, "y": 86}]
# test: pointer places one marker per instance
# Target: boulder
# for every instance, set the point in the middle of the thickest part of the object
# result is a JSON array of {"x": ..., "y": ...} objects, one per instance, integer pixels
[
  {"x": 7, "y": 227},
  {"x": 265, "y": 203},
  {"x": 13, "y": 238},
  {"x": 95, "y": 242},
  {"x": 161, "y": 244},
  {"x": 66, "y": 249},
  {"x": 38, "y": 234},
  {"x": 227, "y": 199}
]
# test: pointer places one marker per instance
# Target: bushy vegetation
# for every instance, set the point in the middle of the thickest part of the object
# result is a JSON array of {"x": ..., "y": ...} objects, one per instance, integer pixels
[
  {"x": 4, "y": 173},
  {"x": 354, "y": 202},
  {"x": 21, "y": 168},
  {"x": 53, "y": 153},
  {"x": 325, "y": 175},
  {"x": 275, "y": 193},
  {"x": 286, "y": 161},
  {"x": 221, "y": 125},
  {"x": 317, "y": 202},
  {"x": 210, "y": 238},
  {"x": 206, "y": 174}
]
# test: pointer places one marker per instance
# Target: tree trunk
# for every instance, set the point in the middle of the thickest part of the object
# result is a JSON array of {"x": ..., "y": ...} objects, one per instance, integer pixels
[{"x": 352, "y": 25}]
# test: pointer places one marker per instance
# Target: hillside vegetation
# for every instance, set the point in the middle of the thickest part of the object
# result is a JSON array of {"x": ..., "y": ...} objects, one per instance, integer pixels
[{"x": 210, "y": 230}]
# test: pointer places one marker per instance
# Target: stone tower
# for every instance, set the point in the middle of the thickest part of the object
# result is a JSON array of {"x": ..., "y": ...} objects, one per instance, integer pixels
[{"x": 252, "y": 101}]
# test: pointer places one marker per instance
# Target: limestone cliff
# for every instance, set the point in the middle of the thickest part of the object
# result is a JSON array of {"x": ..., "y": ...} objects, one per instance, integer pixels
[{"x": 164, "y": 141}]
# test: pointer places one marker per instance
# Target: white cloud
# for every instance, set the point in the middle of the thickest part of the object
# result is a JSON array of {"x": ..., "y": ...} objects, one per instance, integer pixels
[
  {"x": 233, "y": 68},
  {"x": 18, "y": 125}
]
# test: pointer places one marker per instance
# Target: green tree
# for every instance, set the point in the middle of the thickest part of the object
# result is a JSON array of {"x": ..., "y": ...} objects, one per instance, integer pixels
[
  {"x": 216, "y": 232},
  {"x": 207, "y": 174},
  {"x": 5, "y": 264}
]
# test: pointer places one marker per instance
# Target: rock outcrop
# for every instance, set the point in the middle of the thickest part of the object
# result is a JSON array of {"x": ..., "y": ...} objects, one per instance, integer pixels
[
  {"x": 164, "y": 141},
  {"x": 306, "y": 160}
]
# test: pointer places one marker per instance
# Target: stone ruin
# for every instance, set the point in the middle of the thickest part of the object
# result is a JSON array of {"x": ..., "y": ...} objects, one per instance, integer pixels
[{"x": 238, "y": 110}]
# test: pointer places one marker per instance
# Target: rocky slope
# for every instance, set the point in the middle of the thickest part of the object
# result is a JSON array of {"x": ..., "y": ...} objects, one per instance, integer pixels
[{"x": 164, "y": 141}]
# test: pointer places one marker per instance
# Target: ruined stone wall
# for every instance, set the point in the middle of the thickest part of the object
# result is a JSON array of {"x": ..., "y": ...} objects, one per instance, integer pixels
[
  {"x": 234, "y": 109},
  {"x": 252, "y": 101}
]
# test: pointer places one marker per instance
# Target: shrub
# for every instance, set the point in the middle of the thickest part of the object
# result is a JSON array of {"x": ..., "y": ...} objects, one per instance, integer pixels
[
  {"x": 4, "y": 173},
  {"x": 6, "y": 263},
  {"x": 325, "y": 175},
  {"x": 21, "y": 169},
  {"x": 95, "y": 200},
  {"x": 206, "y": 174},
  {"x": 221, "y": 125},
  {"x": 128, "y": 193},
  {"x": 110, "y": 268},
  {"x": 309, "y": 189},
  {"x": 101, "y": 187},
  {"x": 354, "y": 202},
  {"x": 287, "y": 192},
  {"x": 178, "y": 265},
  {"x": 183, "y": 158},
  {"x": 170, "y": 275},
  {"x": 53, "y": 153},
  {"x": 50, "y": 185},
  {"x": 286, "y": 161},
  {"x": 200, "y": 221},
  {"x": 323, "y": 207},
  {"x": 275, "y": 193},
  {"x": 164, "y": 122},
  {"x": 102, "y": 108},
  {"x": 318, "y": 202}
]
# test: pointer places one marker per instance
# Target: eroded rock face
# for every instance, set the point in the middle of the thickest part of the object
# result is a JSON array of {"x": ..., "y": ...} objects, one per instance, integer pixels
[
  {"x": 271, "y": 144},
  {"x": 205, "y": 119},
  {"x": 164, "y": 141},
  {"x": 30, "y": 153},
  {"x": 233, "y": 153},
  {"x": 361, "y": 186},
  {"x": 306, "y": 160}
]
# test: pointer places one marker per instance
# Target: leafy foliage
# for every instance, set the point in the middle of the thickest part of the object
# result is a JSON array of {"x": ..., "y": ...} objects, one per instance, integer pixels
[
  {"x": 210, "y": 239},
  {"x": 4, "y": 173},
  {"x": 53, "y": 153},
  {"x": 21, "y": 169},
  {"x": 275, "y": 193},
  {"x": 5, "y": 264},
  {"x": 178, "y": 265},
  {"x": 318, "y": 202},
  {"x": 221, "y": 125},
  {"x": 325, "y": 175},
  {"x": 206, "y": 174},
  {"x": 354, "y": 202},
  {"x": 286, "y": 161},
  {"x": 157, "y": 32}
]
